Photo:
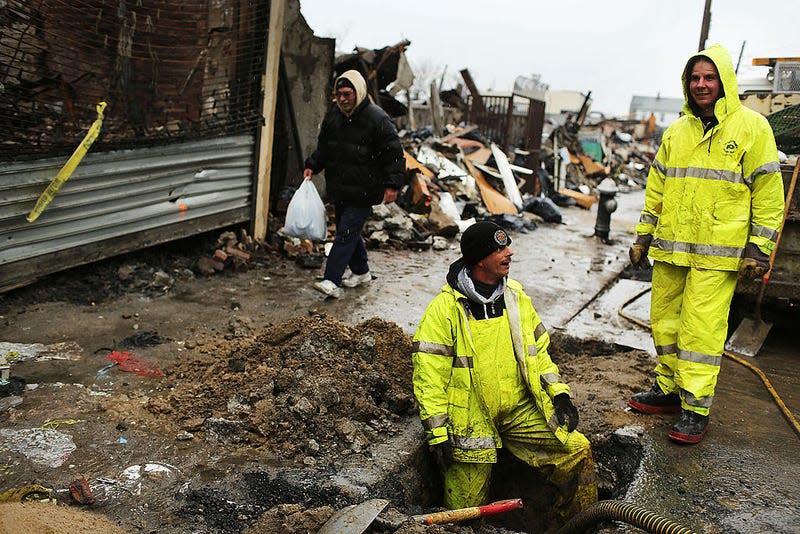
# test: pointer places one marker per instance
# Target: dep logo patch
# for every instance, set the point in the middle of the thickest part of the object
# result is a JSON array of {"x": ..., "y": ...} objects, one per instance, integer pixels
[
  {"x": 731, "y": 146},
  {"x": 501, "y": 238}
]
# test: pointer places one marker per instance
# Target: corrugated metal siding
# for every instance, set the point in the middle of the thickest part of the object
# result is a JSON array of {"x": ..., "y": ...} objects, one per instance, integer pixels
[{"x": 120, "y": 193}]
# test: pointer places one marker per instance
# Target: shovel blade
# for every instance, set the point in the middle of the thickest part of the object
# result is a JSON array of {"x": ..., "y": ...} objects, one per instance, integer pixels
[
  {"x": 748, "y": 337},
  {"x": 354, "y": 519}
]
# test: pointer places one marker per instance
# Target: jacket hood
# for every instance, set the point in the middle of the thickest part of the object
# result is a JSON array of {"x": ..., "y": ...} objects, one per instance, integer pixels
[
  {"x": 452, "y": 273},
  {"x": 360, "y": 85},
  {"x": 459, "y": 280},
  {"x": 729, "y": 101}
]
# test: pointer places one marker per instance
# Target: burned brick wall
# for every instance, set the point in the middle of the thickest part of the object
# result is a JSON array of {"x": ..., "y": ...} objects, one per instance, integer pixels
[{"x": 168, "y": 71}]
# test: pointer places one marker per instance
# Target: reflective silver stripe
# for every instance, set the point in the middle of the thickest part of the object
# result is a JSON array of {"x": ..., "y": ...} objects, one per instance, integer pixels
[
  {"x": 691, "y": 400},
  {"x": 473, "y": 443},
  {"x": 647, "y": 218},
  {"x": 659, "y": 166},
  {"x": 767, "y": 168},
  {"x": 434, "y": 422},
  {"x": 697, "y": 248},
  {"x": 551, "y": 378},
  {"x": 705, "y": 174},
  {"x": 539, "y": 331},
  {"x": 463, "y": 362},
  {"x": 661, "y": 350},
  {"x": 699, "y": 357},
  {"x": 763, "y": 231},
  {"x": 432, "y": 348},
  {"x": 531, "y": 350}
]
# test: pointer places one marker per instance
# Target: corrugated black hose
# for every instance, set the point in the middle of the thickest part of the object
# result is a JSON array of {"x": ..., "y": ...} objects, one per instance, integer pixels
[{"x": 622, "y": 511}]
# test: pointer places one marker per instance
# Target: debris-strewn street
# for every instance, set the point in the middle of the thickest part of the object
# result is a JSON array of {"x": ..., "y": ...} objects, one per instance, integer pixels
[
  {"x": 256, "y": 428},
  {"x": 171, "y": 181}
]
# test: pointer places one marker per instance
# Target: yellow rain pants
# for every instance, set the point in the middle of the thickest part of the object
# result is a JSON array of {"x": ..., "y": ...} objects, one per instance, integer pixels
[
  {"x": 689, "y": 315},
  {"x": 523, "y": 429}
]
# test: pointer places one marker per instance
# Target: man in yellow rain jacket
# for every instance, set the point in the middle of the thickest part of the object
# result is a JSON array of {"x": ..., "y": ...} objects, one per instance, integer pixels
[
  {"x": 713, "y": 207},
  {"x": 484, "y": 380}
]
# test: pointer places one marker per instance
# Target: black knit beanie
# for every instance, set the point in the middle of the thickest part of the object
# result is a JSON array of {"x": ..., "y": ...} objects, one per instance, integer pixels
[{"x": 481, "y": 239}]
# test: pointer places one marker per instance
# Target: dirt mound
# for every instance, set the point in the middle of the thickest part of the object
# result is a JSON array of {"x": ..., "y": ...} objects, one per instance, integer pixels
[
  {"x": 22, "y": 518},
  {"x": 310, "y": 389}
]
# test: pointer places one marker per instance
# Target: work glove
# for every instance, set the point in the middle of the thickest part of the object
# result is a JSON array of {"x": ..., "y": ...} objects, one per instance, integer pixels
[
  {"x": 566, "y": 411},
  {"x": 755, "y": 263},
  {"x": 638, "y": 252},
  {"x": 443, "y": 454}
]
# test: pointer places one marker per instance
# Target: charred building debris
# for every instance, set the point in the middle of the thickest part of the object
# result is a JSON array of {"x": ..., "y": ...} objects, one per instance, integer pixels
[
  {"x": 471, "y": 157},
  {"x": 190, "y": 136}
]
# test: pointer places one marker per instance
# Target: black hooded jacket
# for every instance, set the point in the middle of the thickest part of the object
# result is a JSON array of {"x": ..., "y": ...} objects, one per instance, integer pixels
[{"x": 361, "y": 155}]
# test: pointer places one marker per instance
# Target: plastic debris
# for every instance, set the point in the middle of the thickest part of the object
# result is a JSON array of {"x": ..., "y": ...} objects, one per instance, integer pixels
[
  {"x": 128, "y": 362},
  {"x": 17, "y": 352},
  {"x": 43, "y": 446},
  {"x": 55, "y": 423},
  {"x": 31, "y": 492}
]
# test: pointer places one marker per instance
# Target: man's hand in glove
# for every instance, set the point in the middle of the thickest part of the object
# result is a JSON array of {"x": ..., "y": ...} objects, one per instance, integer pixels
[
  {"x": 638, "y": 252},
  {"x": 755, "y": 263},
  {"x": 443, "y": 454},
  {"x": 566, "y": 411}
]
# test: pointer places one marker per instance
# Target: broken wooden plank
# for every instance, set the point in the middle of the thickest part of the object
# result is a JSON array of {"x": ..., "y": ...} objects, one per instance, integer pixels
[
  {"x": 458, "y": 133},
  {"x": 591, "y": 167},
  {"x": 509, "y": 182},
  {"x": 412, "y": 163},
  {"x": 477, "y": 101},
  {"x": 420, "y": 194},
  {"x": 481, "y": 155},
  {"x": 495, "y": 201},
  {"x": 584, "y": 201}
]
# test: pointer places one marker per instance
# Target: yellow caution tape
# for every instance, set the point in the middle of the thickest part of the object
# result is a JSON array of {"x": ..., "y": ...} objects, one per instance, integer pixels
[
  {"x": 69, "y": 167},
  {"x": 26, "y": 493},
  {"x": 55, "y": 423}
]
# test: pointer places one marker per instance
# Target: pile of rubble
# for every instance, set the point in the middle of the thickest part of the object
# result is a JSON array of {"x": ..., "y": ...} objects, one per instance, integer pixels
[
  {"x": 462, "y": 177},
  {"x": 311, "y": 388},
  {"x": 231, "y": 252}
]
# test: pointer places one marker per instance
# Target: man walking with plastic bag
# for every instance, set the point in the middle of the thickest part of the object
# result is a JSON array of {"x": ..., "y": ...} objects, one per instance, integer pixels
[{"x": 360, "y": 152}]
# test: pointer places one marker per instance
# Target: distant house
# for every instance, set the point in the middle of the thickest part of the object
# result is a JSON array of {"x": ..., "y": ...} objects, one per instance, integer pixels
[
  {"x": 564, "y": 102},
  {"x": 665, "y": 110}
]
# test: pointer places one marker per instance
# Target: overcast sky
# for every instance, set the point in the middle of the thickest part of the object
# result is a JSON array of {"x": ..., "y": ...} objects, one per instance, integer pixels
[{"x": 614, "y": 48}]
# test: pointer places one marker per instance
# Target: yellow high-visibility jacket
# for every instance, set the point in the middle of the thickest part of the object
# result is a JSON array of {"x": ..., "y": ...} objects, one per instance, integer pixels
[
  {"x": 447, "y": 392},
  {"x": 709, "y": 194}
]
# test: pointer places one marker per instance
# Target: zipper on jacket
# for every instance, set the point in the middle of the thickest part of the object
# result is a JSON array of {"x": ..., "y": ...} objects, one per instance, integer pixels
[{"x": 710, "y": 137}]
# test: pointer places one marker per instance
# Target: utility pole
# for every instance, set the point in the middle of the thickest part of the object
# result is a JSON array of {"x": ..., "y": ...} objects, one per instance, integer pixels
[
  {"x": 706, "y": 24},
  {"x": 739, "y": 62}
]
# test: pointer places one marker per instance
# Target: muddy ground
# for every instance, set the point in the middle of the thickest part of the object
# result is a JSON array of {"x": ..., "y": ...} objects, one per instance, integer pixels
[{"x": 244, "y": 397}]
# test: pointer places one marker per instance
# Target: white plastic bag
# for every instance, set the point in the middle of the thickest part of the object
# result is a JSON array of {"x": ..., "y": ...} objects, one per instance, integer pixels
[{"x": 305, "y": 215}]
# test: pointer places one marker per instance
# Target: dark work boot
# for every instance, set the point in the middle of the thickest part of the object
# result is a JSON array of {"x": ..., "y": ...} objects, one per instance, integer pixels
[
  {"x": 655, "y": 401},
  {"x": 690, "y": 428}
]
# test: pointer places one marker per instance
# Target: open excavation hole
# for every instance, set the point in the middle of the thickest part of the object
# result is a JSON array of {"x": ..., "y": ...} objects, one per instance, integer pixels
[{"x": 343, "y": 457}]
